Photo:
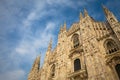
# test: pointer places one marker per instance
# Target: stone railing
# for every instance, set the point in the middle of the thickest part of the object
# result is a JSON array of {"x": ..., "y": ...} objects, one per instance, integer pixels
[
  {"x": 109, "y": 57},
  {"x": 81, "y": 73},
  {"x": 76, "y": 50}
]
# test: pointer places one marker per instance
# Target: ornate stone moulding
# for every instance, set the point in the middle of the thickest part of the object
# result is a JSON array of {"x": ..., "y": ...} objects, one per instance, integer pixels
[
  {"x": 75, "y": 50},
  {"x": 75, "y": 27},
  {"x": 51, "y": 78},
  {"x": 81, "y": 74},
  {"x": 113, "y": 57},
  {"x": 104, "y": 36},
  {"x": 52, "y": 61}
]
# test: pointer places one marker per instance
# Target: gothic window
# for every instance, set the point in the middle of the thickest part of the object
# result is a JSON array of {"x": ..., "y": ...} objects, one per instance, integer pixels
[
  {"x": 77, "y": 65},
  {"x": 112, "y": 20},
  {"x": 117, "y": 67},
  {"x": 53, "y": 70},
  {"x": 111, "y": 46},
  {"x": 75, "y": 39}
]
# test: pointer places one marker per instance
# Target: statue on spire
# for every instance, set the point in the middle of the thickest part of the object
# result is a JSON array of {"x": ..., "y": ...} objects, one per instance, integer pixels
[
  {"x": 85, "y": 13},
  {"x": 81, "y": 16},
  {"x": 61, "y": 29},
  {"x": 50, "y": 45},
  {"x": 64, "y": 27}
]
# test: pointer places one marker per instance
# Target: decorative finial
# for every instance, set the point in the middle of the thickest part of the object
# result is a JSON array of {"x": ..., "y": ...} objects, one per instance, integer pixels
[
  {"x": 64, "y": 27},
  {"x": 85, "y": 13}
]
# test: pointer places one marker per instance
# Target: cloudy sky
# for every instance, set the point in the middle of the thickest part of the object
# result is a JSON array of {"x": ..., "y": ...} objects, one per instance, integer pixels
[{"x": 26, "y": 27}]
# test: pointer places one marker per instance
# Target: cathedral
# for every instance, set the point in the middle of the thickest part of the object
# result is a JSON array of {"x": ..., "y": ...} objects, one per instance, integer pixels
[{"x": 88, "y": 50}]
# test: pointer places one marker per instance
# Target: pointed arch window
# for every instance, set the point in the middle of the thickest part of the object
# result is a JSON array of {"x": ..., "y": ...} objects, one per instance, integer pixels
[
  {"x": 75, "y": 39},
  {"x": 53, "y": 70},
  {"x": 111, "y": 46},
  {"x": 77, "y": 65}
]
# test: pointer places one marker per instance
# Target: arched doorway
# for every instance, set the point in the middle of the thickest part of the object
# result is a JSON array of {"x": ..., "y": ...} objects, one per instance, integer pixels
[{"x": 117, "y": 67}]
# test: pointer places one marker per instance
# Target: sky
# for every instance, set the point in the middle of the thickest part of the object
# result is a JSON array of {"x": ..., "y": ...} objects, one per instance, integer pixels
[{"x": 26, "y": 27}]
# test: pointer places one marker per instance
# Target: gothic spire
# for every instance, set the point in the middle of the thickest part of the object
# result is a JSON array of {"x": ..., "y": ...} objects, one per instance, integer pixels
[
  {"x": 106, "y": 11},
  {"x": 36, "y": 63},
  {"x": 109, "y": 15},
  {"x": 33, "y": 75}
]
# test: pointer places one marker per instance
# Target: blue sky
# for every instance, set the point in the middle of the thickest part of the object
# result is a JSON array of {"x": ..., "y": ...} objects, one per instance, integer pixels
[{"x": 26, "y": 27}]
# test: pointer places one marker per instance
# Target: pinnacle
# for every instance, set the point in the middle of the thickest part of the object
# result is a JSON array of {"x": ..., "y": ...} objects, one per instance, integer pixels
[
  {"x": 64, "y": 27},
  {"x": 81, "y": 16},
  {"x": 85, "y": 13},
  {"x": 50, "y": 45}
]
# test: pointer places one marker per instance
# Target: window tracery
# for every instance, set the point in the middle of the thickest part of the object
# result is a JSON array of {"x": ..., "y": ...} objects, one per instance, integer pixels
[
  {"x": 111, "y": 46},
  {"x": 75, "y": 40},
  {"x": 53, "y": 70},
  {"x": 77, "y": 65}
]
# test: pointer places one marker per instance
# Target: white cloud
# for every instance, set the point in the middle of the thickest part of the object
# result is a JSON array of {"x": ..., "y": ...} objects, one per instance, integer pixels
[
  {"x": 31, "y": 43},
  {"x": 13, "y": 75},
  {"x": 35, "y": 44},
  {"x": 40, "y": 9},
  {"x": 50, "y": 26}
]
